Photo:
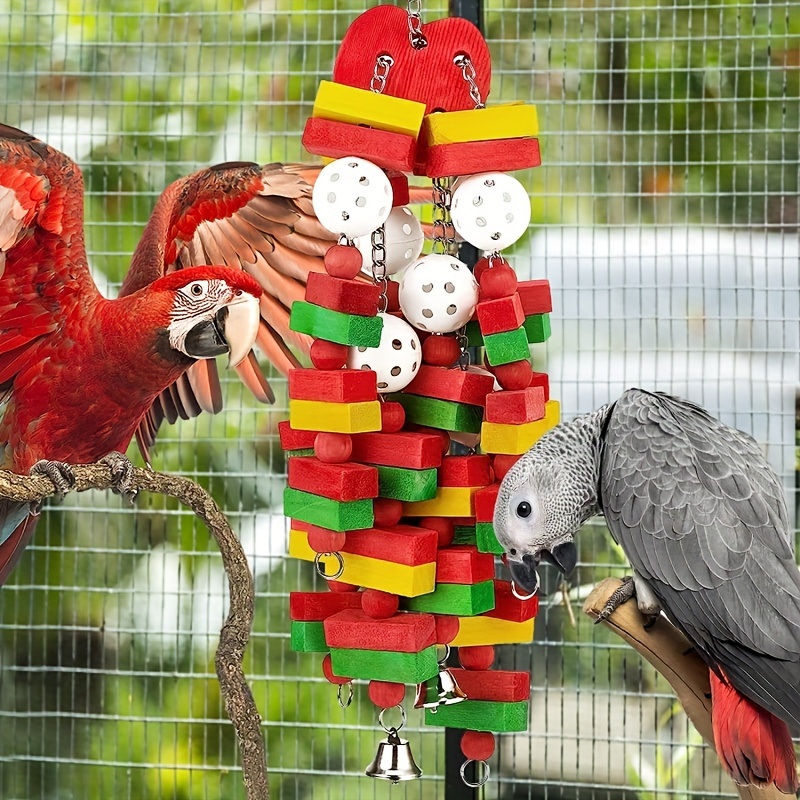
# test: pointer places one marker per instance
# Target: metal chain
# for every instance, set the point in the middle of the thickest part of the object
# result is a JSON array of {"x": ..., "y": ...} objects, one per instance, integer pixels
[
  {"x": 415, "y": 34},
  {"x": 444, "y": 239},
  {"x": 464, "y": 63},
  {"x": 380, "y": 74},
  {"x": 463, "y": 343},
  {"x": 379, "y": 267}
]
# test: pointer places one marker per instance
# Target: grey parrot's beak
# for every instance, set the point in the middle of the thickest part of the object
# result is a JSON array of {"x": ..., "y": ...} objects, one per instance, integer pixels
[
  {"x": 524, "y": 573},
  {"x": 564, "y": 557},
  {"x": 233, "y": 330}
]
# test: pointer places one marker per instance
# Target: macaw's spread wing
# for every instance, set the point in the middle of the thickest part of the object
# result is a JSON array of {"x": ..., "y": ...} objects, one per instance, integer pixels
[
  {"x": 238, "y": 215},
  {"x": 703, "y": 519}
]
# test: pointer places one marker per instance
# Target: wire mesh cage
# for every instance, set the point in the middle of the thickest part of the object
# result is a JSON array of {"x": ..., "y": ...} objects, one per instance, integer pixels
[{"x": 666, "y": 217}]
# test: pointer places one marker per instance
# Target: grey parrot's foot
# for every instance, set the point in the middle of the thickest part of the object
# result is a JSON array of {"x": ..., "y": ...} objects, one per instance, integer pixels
[
  {"x": 60, "y": 475},
  {"x": 625, "y": 592},
  {"x": 121, "y": 475}
]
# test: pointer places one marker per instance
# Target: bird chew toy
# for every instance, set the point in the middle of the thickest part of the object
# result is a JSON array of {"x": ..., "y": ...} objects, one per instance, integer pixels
[{"x": 380, "y": 493}]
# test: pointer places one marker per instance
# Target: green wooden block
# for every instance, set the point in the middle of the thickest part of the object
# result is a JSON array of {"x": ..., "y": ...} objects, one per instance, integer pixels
[
  {"x": 443, "y": 414},
  {"x": 481, "y": 715},
  {"x": 503, "y": 348},
  {"x": 309, "y": 451},
  {"x": 324, "y": 323},
  {"x": 308, "y": 637},
  {"x": 486, "y": 540},
  {"x": 465, "y": 534},
  {"x": 384, "y": 665},
  {"x": 330, "y": 514},
  {"x": 401, "y": 483},
  {"x": 473, "y": 333},
  {"x": 537, "y": 328},
  {"x": 455, "y": 599}
]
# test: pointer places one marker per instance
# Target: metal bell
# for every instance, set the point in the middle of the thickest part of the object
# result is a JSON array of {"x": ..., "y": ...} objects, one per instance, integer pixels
[
  {"x": 443, "y": 690},
  {"x": 393, "y": 761}
]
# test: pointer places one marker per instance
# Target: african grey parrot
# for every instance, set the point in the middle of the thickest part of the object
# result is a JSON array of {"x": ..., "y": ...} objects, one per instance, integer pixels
[{"x": 702, "y": 519}]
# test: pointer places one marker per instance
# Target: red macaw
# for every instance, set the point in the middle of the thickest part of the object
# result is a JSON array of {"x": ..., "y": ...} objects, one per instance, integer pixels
[{"x": 81, "y": 375}]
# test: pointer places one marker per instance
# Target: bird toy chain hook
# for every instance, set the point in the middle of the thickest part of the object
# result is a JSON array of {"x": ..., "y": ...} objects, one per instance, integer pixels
[
  {"x": 319, "y": 564},
  {"x": 444, "y": 240},
  {"x": 484, "y": 777},
  {"x": 379, "y": 276},
  {"x": 345, "y": 702},
  {"x": 415, "y": 35},
  {"x": 383, "y": 63},
  {"x": 464, "y": 63}
]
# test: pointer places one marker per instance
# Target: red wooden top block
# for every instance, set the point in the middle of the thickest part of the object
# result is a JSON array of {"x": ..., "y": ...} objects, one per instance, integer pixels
[
  {"x": 402, "y": 633},
  {"x": 467, "y": 158},
  {"x": 341, "y": 482},
  {"x": 508, "y": 607},
  {"x": 542, "y": 379},
  {"x": 499, "y": 685},
  {"x": 295, "y": 440},
  {"x": 470, "y": 386},
  {"x": 316, "y": 606},
  {"x": 484, "y": 500},
  {"x": 515, "y": 407},
  {"x": 462, "y": 563},
  {"x": 465, "y": 470},
  {"x": 498, "y": 316},
  {"x": 347, "y": 297},
  {"x": 535, "y": 297},
  {"x": 402, "y": 449},
  {"x": 333, "y": 385}
]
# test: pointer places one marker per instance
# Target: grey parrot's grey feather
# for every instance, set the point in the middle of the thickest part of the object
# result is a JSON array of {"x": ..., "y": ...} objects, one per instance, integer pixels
[{"x": 702, "y": 518}]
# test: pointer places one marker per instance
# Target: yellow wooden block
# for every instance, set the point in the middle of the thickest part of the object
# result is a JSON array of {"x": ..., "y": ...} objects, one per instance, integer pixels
[
  {"x": 509, "y": 121},
  {"x": 473, "y": 631},
  {"x": 372, "y": 573},
  {"x": 450, "y": 501},
  {"x": 341, "y": 103},
  {"x": 318, "y": 415},
  {"x": 499, "y": 437}
]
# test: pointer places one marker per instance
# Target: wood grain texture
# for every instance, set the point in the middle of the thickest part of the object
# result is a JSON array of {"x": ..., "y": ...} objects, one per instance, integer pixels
[
  {"x": 515, "y": 407},
  {"x": 483, "y": 630},
  {"x": 327, "y": 513},
  {"x": 318, "y": 415},
  {"x": 403, "y": 449},
  {"x": 342, "y": 482},
  {"x": 511, "y": 120},
  {"x": 481, "y": 715},
  {"x": 460, "y": 386}
]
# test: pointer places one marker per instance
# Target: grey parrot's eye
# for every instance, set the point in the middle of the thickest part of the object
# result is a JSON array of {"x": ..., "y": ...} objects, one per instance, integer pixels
[{"x": 524, "y": 509}]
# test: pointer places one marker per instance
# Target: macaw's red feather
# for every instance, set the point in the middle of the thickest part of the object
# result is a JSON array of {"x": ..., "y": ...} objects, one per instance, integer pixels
[{"x": 754, "y": 746}]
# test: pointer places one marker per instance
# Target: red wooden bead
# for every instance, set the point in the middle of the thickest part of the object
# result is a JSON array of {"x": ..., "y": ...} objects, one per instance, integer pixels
[
  {"x": 342, "y": 261},
  {"x": 327, "y": 671},
  {"x": 444, "y": 526},
  {"x": 477, "y": 657},
  {"x": 387, "y": 512},
  {"x": 393, "y": 296},
  {"x": 333, "y": 448},
  {"x": 393, "y": 417},
  {"x": 385, "y": 694},
  {"x": 321, "y": 540},
  {"x": 480, "y": 265},
  {"x": 340, "y": 586},
  {"x": 477, "y": 745},
  {"x": 515, "y": 375},
  {"x": 379, "y": 605},
  {"x": 446, "y": 628},
  {"x": 440, "y": 351},
  {"x": 502, "y": 464},
  {"x": 498, "y": 281},
  {"x": 328, "y": 355}
]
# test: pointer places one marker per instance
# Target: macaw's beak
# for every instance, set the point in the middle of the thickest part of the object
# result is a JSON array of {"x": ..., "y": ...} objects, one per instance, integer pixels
[
  {"x": 233, "y": 330},
  {"x": 524, "y": 573},
  {"x": 563, "y": 558}
]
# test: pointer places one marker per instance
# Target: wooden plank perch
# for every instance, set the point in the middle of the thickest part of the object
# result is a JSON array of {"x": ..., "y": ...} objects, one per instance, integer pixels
[{"x": 668, "y": 650}]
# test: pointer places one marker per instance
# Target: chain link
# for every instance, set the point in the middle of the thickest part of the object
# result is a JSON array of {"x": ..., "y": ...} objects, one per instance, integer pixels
[
  {"x": 383, "y": 63},
  {"x": 415, "y": 34},
  {"x": 463, "y": 62},
  {"x": 379, "y": 275},
  {"x": 444, "y": 239},
  {"x": 463, "y": 343}
]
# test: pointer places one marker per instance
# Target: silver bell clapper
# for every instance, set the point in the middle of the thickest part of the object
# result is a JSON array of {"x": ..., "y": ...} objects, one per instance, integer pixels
[
  {"x": 443, "y": 690},
  {"x": 393, "y": 761}
]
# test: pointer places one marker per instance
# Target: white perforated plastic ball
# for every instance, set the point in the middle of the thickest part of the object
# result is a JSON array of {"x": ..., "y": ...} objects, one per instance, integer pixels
[
  {"x": 403, "y": 239},
  {"x": 352, "y": 197},
  {"x": 438, "y": 293},
  {"x": 491, "y": 210},
  {"x": 396, "y": 360}
]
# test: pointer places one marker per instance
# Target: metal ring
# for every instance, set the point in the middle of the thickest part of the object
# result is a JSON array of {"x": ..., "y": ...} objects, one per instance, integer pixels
[
  {"x": 525, "y": 596},
  {"x": 484, "y": 778},
  {"x": 394, "y": 727},
  {"x": 345, "y": 703},
  {"x": 443, "y": 659},
  {"x": 321, "y": 567}
]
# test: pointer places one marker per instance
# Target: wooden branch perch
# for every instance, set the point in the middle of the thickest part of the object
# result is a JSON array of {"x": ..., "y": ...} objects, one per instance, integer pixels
[
  {"x": 239, "y": 703},
  {"x": 668, "y": 650}
]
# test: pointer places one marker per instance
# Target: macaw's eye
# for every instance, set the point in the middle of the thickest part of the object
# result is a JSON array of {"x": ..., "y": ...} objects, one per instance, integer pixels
[
  {"x": 197, "y": 289},
  {"x": 524, "y": 509}
]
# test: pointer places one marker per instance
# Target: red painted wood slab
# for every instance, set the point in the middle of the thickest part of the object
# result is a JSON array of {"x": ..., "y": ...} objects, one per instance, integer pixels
[
  {"x": 515, "y": 407},
  {"x": 333, "y": 385},
  {"x": 508, "y": 607},
  {"x": 402, "y": 449},
  {"x": 295, "y": 440},
  {"x": 484, "y": 500},
  {"x": 349, "y": 297},
  {"x": 465, "y": 471},
  {"x": 462, "y": 563},
  {"x": 467, "y": 158},
  {"x": 402, "y": 633},
  {"x": 535, "y": 297},
  {"x": 341, "y": 482},
  {"x": 499, "y": 685},
  {"x": 496, "y": 316},
  {"x": 317, "y": 606},
  {"x": 542, "y": 379},
  {"x": 460, "y": 386}
]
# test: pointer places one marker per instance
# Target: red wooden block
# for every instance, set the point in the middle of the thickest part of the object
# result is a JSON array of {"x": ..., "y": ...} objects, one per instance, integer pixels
[
  {"x": 467, "y": 158},
  {"x": 333, "y": 448},
  {"x": 501, "y": 464},
  {"x": 496, "y": 316},
  {"x": 479, "y": 657},
  {"x": 295, "y": 440},
  {"x": 402, "y": 449},
  {"x": 502, "y": 686},
  {"x": 444, "y": 526},
  {"x": 515, "y": 407},
  {"x": 343, "y": 261},
  {"x": 461, "y": 386},
  {"x": 477, "y": 745},
  {"x": 328, "y": 355},
  {"x": 345, "y": 296},
  {"x": 317, "y": 606},
  {"x": 393, "y": 296},
  {"x": 484, "y": 500},
  {"x": 442, "y": 436},
  {"x": 342, "y": 482},
  {"x": 333, "y": 385},
  {"x": 462, "y": 563},
  {"x": 386, "y": 694},
  {"x": 543, "y": 380},
  {"x": 510, "y": 608},
  {"x": 465, "y": 470},
  {"x": 446, "y": 628},
  {"x": 535, "y": 297},
  {"x": 399, "y": 183},
  {"x": 402, "y": 633},
  {"x": 326, "y": 137}
]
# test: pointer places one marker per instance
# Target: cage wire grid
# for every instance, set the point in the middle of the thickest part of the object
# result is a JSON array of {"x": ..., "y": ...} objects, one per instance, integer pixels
[{"x": 665, "y": 215}]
